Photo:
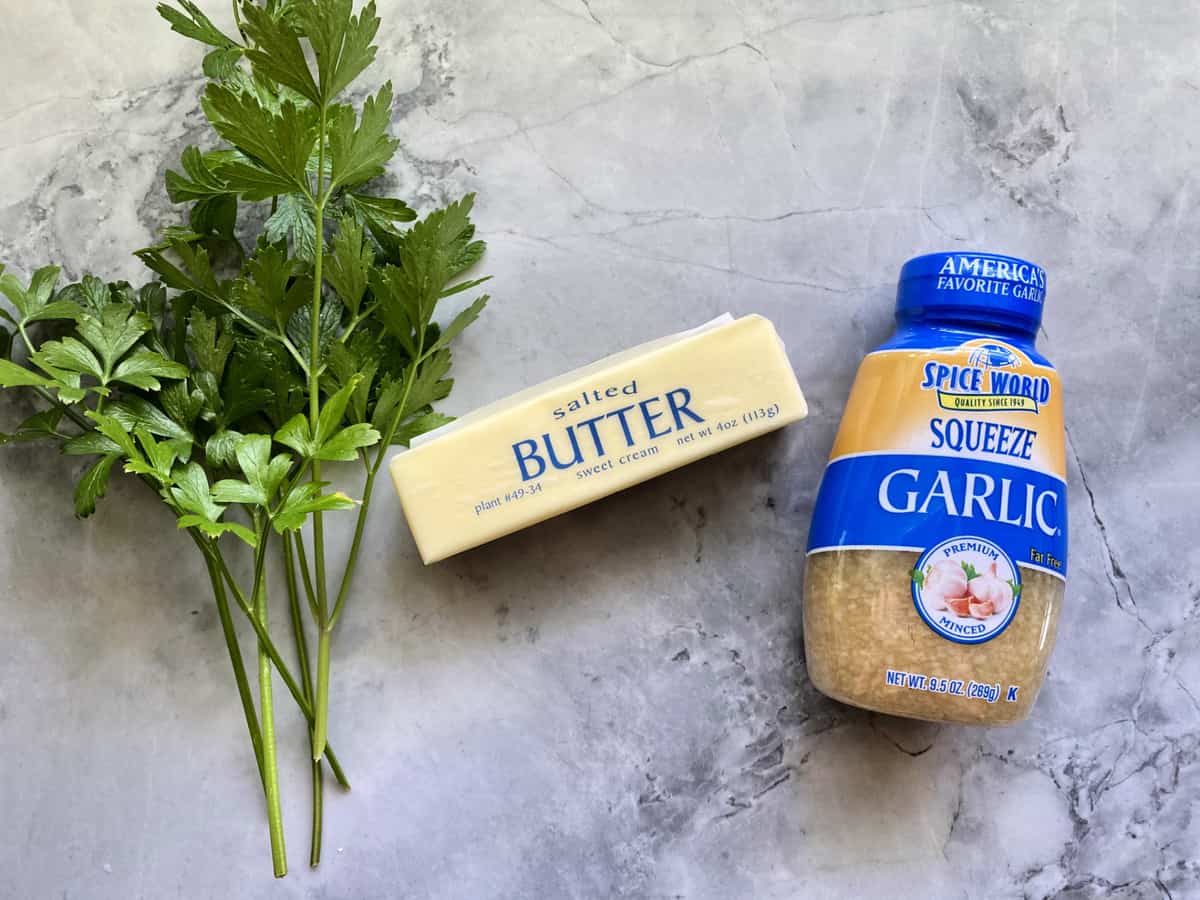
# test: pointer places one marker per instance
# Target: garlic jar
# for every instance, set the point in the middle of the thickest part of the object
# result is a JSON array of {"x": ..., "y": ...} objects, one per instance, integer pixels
[{"x": 937, "y": 555}]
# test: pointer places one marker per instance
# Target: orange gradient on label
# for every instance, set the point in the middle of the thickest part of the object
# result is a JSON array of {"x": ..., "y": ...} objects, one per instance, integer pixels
[{"x": 984, "y": 399}]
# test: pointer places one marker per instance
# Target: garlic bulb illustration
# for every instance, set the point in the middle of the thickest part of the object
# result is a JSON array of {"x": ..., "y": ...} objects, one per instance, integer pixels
[
  {"x": 946, "y": 581},
  {"x": 989, "y": 588}
]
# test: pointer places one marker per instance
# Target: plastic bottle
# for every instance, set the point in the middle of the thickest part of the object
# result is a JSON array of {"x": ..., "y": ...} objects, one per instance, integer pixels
[{"x": 937, "y": 555}]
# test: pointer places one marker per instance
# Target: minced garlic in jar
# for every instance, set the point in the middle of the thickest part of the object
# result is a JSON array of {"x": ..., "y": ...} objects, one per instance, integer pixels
[{"x": 937, "y": 554}]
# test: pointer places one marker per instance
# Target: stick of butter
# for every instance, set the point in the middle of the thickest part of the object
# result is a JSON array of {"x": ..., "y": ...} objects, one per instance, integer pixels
[{"x": 595, "y": 431}]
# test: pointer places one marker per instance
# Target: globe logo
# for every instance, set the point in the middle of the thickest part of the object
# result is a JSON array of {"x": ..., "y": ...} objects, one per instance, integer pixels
[{"x": 993, "y": 356}]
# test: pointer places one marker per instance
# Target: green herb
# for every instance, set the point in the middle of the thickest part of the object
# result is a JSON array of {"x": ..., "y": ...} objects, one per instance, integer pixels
[
  {"x": 262, "y": 355},
  {"x": 969, "y": 570}
]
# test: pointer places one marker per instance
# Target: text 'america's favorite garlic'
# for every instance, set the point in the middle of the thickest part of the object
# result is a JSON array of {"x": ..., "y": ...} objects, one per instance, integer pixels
[
  {"x": 938, "y": 548},
  {"x": 595, "y": 431}
]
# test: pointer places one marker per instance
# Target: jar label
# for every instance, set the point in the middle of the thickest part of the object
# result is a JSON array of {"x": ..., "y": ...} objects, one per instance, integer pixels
[
  {"x": 957, "y": 454},
  {"x": 983, "y": 400}
]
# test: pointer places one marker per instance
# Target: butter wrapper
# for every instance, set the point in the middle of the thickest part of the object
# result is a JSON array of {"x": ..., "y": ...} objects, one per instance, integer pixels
[{"x": 595, "y": 431}]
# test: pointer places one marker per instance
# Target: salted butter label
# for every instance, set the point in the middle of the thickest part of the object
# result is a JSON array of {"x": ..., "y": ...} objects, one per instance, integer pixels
[{"x": 595, "y": 431}]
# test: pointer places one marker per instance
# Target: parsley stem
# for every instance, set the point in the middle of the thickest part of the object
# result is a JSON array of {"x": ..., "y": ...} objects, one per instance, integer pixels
[
  {"x": 321, "y": 705},
  {"x": 25, "y": 338},
  {"x": 322, "y": 698},
  {"x": 302, "y": 559},
  {"x": 215, "y": 564},
  {"x": 217, "y": 568},
  {"x": 369, "y": 486},
  {"x": 289, "y": 566},
  {"x": 318, "y": 771},
  {"x": 69, "y": 411},
  {"x": 214, "y": 560},
  {"x": 239, "y": 666},
  {"x": 355, "y": 546},
  {"x": 280, "y": 666},
  {"x": 266, "y": 707},
  {"x": 363, "y": 315}
]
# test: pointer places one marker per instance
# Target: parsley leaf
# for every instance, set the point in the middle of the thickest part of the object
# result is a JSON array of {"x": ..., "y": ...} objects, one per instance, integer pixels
[
  {"x": 39, "y": 426},
  {"x": 294, "y": 218},
  {"x": 159, "y": 458},
  {"x": 302, "y": 501},
  {"x": 361, "y": 359},
  {"x": 210, "y": 344},
  {"x": 348, "y": 264},
  {"x": 429, "y": 385},
  {"x": 418, "y": 426},
  {"x": 109, "y": 336},
  {"x": 460, "y": 322},
  {"x": 35, "y": 303},
  {"x": 264, "y": 472},
  {"x": 276, "y": 52},
  {"x": 143, "y": 369},
  {"x": 340, "y": 41},
  {"x": 193, "y": 23},
  {"x": 191, "y": 494},
  {"x": 359, "y": 154},
  {"x": 188, "y": 382},
  {"x": 331, "y": 441},
  {"x": 222, "y": 64},
  {"x": 266, "y": 288},
  {"x": 299, "y": 327},
  {"x": 281, "y": 142},
  {"x": 113, "y": 332},
  {"x": 15, "y": 375},
  {"x": 199, "y": 182},
  {"x": 66, "y": 361},
  {"x": 181, "y": 404},
  {"x": 221, "y": 448},
  {"x": 195, "y": 275},
  {"x": 377, "y": 213},
  {"x": 92, "y": 293},
  {"x": 92, "y": 485},
  {"x": 137, "y": 413},
  {"x": 117, "y": 433}
]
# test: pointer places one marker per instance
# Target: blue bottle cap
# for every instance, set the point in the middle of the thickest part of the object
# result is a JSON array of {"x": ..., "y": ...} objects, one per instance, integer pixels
[{"x": 972, "y": 287}]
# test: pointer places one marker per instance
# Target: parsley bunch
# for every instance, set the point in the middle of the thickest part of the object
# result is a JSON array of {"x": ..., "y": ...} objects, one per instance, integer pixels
[{"x": 262, "y": 351}]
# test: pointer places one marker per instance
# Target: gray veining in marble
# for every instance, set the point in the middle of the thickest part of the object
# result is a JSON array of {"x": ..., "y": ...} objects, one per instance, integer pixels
[{"x": 614, "y": 705}]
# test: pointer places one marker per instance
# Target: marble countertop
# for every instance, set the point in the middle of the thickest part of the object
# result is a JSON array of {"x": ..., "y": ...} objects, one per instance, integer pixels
[{"x": 615, "y": 704}]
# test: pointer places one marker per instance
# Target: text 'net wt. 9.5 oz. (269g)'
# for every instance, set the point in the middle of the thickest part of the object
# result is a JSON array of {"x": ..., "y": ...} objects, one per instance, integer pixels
[{"x": 937, "y": 556}]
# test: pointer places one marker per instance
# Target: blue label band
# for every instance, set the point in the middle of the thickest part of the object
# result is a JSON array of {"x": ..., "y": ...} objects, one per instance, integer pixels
[{"x": 916, "y": 501}]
